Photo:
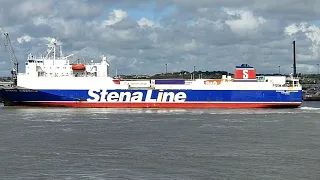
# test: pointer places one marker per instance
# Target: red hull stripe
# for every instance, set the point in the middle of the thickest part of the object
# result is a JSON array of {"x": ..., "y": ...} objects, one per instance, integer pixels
[{"x": 163, "y": 105}]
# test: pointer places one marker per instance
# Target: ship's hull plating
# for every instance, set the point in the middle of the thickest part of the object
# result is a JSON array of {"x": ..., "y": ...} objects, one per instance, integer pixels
[{"x": 153, "y": 98}]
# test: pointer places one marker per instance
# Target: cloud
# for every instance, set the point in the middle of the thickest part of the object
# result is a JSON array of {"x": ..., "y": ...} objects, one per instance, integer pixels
[
  {"x": 115, "y": 17},
  {"x": 310, "y": 33},
  {"x": 25, "y": 38},
  {"x": 142, "y": 36},
  {"x": 146, "y": 22},
  {"x": 245, "y": 24}
]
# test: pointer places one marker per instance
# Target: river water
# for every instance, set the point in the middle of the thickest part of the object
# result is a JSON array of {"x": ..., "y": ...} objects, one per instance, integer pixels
[{"x": 63, "y": 143}]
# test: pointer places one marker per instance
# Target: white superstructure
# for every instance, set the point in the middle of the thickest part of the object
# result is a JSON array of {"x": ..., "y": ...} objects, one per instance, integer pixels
[
  {"x": 55, "y": 71},
  {"x": 54, "y": 64}
]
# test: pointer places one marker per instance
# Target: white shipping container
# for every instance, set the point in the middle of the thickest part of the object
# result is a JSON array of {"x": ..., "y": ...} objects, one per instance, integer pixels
[
  {"x": 124, "y": 83},
  {"x": 136, "y": 83},
  {"x": 280, "y": 80},
  {"x": 188, "y": 82},
  {"x": 175, "y": 86}
]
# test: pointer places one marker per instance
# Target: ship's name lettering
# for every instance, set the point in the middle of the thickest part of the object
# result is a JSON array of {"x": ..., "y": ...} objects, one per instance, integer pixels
[{"x": 137, "y": 96}]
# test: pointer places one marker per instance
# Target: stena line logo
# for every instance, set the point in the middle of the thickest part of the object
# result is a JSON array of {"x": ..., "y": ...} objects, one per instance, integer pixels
[{"x": 138, "y": 96}]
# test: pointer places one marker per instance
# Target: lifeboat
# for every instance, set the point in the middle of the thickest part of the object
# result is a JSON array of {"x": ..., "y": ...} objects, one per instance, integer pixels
[
  {"x": 78, "y": 67},
  {"x": 116, "y": 81},
  {"x": 212, "y": 82}
]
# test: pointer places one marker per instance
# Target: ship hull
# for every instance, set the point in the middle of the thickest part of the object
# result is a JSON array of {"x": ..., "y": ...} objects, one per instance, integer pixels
[
  {"x": 198, "y": 105},
  {"x": 153, "y": 98}
]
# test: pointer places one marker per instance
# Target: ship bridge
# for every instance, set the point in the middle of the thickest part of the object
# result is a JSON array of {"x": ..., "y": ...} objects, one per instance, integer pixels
[
  {"x": 55, "y": 64},
  {"x": 284, "y": 81}
]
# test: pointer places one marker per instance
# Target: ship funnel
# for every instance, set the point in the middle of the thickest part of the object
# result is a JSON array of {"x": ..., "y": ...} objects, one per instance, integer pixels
[{"x": 245, "y": 73}]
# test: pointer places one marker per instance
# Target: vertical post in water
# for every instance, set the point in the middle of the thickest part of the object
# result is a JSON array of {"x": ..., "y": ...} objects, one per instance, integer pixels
[{"x": 294, "y": 60}]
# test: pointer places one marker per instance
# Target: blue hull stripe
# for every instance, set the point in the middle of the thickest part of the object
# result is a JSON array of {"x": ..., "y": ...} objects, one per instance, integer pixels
[{"x": 191, "y": 95}]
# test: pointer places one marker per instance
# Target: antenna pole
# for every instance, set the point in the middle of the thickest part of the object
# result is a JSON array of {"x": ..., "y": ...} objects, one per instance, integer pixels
[
  {"x": 61, "y": 51},
  {"x": 54, "y": 52},
  {"x": 294, "y": 60}
]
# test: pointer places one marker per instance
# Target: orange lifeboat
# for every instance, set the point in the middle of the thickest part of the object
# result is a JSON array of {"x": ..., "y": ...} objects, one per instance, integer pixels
[
  {"x": 212, "y": 82},
  {"x": 78, "y": 67}
]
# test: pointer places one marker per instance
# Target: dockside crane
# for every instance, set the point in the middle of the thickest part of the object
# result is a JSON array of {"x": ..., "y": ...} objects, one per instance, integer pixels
[{"x": 13, "y": 59}]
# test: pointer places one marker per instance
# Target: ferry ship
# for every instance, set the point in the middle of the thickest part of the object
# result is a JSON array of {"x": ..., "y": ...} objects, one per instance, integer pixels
[{"x": 52, "y": 80}]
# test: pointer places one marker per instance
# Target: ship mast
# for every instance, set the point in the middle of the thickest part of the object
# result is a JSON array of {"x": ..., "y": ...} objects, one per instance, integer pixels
[
  {"x": 294, "y": 60},
  {"x": 54, "y": 52}
]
